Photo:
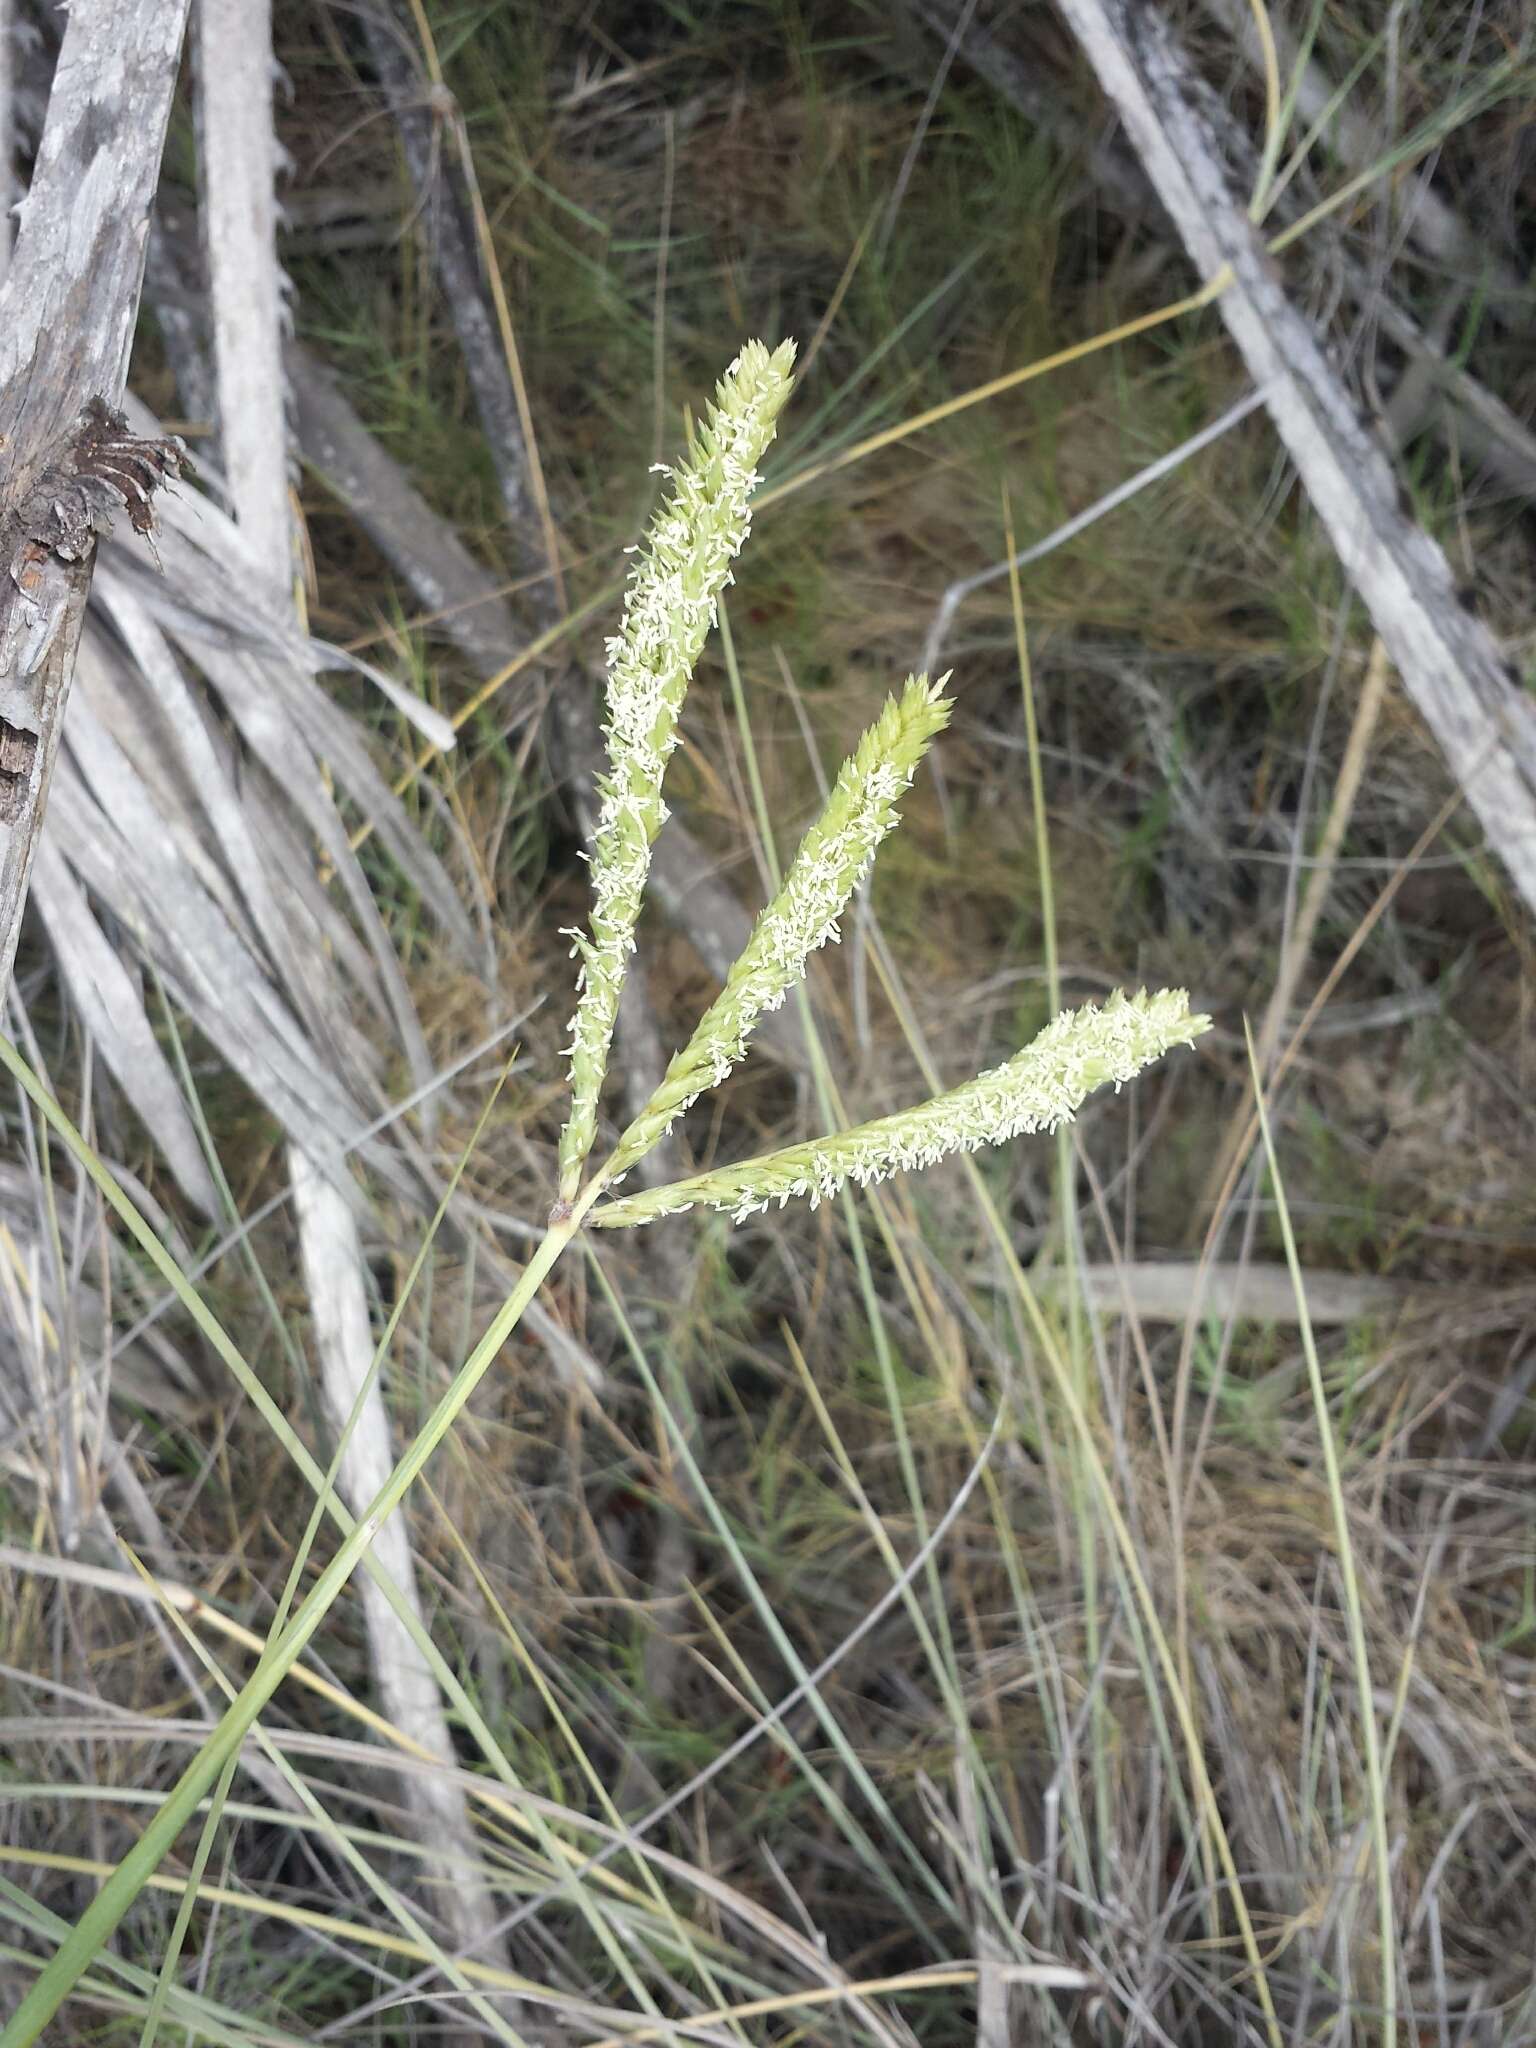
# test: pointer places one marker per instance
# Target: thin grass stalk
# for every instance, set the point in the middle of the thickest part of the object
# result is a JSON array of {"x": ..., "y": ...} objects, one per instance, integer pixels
[
  {"x": 100, "y": 1919},
  {"x": 834, "y": 1114},
  {"x": 1354, "y": 1611},
  {"x": 1032, "y": 1625},
  {"x": 680, "y": 1929},
  {"x": 1268, "y": 189},
  {"x": 836, "y": 1735},
  {"x": 225, "y": 2028},
  {"x": 752, "y": 1693},
  {"x": 261, "y": 1815},
  {"x": 1066, "y": 1198},
  {"x": 359, "y": 1933},
  {"x": 1060, "y": 1375},
  {"x": 943, "y": 1663},
  {"x": 1126, "y": 1545},
  {"x": 937, "y": 1642},
  {"x": 1051, "y": 1976},
  {"x": 1026, "y": 373},
  {"x": 1427, "y": 137},
  {"x": 166, "y": 1978},
  {"x": 1274, "y": 117},
  {"x": 1238, "y": 1134},
  {"x": 1291, "y": 1052},
  {"x": 936, "y": 1639},
  {"x": 342, "y": 1845}
]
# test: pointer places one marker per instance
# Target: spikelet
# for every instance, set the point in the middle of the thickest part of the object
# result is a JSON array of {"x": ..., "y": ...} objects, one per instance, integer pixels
[
  {"x": 670, "y": 605},
  {"x": 834, "y": 857},
  {"x": 1039, "y": 1088}
]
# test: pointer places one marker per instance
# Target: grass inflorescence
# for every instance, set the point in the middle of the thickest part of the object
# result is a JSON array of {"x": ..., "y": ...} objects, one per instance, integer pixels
[{"x": 989, "y": 1603}]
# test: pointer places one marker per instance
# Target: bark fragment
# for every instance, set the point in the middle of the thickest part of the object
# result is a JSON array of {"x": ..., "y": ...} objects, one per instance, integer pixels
[{"x": 67, "y": 311}]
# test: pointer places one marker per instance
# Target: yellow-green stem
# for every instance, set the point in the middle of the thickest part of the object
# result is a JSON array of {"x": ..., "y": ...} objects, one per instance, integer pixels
[{"x": 59, "y": 1976}]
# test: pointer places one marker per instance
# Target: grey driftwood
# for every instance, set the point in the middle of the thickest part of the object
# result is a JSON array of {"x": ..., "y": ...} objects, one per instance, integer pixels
[
  {"x": 67, "y": 312},
  {"x": 1450, "y": 665}
]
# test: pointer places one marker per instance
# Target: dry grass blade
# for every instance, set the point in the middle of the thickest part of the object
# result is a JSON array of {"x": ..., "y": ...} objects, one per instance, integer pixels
[
  {"x": 784, "y": 1698},
  {"x": 1036, "y": 551},
  {"x": 65, "y": 1284},
  {"x": 1172, "y": 1291},
  {"x": 239, "y": 222},
  {"x": 1298, "y": 946},
  {"x": 1429, "y": 220},
  {"x": 206, "y": 605},
  {"x": 407, "y": 1690},
  {"x": 1437, "y": 385},
  {"x": 111, "y": 1007},
  {"x": 184, "y": 920}
]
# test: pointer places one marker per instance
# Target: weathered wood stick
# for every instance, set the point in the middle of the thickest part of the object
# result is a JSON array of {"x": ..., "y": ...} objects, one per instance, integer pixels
[
  {"x": 1450, "y": 664},
  {"x": 67, "y": 312}
]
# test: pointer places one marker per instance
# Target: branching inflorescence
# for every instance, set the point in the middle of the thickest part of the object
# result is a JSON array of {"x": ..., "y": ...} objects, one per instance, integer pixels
[
  {"x": 1038, "y": 1089},
  {"x": 669, "y": 608},
  {"x": 834, "y": 858}
]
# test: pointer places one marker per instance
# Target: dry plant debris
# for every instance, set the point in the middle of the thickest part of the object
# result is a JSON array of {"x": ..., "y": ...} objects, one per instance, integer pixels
[{"x": 799, "y": 1589}]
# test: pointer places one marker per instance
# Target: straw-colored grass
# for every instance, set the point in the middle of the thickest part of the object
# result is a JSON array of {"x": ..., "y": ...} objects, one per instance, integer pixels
[{"x": 882, "y": 1647}]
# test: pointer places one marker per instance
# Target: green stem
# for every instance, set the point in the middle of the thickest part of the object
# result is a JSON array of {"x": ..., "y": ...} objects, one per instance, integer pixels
[{"x": 60, "y": 1975}]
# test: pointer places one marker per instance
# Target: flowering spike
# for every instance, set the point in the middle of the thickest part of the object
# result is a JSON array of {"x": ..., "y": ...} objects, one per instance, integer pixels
[
  {"x": 669, "y": 608},
  {"x": 834, "y": 858},
  {"x": 1036, "y": 1090}
]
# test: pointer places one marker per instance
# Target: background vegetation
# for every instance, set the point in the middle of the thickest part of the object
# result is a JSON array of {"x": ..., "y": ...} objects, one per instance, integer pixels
[{"x": 987, "y": 1808}]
